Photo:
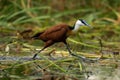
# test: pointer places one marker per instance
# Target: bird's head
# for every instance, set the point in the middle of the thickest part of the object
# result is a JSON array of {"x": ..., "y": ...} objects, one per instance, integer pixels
[{"x": 81, "y": 22}]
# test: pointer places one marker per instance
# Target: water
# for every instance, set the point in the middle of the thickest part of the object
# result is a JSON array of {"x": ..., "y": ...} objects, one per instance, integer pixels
[{"x": 23, "y": 68}]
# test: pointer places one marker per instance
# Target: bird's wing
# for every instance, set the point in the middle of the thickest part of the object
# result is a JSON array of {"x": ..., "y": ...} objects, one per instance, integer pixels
[
  {"x": 56, "y": 33},
  {"x": 53, "y": 29}
]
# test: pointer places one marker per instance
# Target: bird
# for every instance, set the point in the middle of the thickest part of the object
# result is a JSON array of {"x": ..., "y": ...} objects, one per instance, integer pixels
[{"x": 58, "y": 33}]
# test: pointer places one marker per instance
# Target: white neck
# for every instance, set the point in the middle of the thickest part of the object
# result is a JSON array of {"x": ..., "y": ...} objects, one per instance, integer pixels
[
  {"x": 77, "y": 25},
  {"x": 76, "y": 28}
]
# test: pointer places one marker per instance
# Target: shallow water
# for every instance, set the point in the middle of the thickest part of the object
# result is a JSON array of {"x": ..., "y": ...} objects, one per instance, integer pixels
[{"x": 23, "y": 68}]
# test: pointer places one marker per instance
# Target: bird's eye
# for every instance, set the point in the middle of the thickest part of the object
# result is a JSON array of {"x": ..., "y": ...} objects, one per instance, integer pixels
[{"x": 84, "y": 22}]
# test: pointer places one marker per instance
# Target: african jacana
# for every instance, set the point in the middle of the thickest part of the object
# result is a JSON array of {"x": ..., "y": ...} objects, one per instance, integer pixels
[{"x": 58, "y": 33}]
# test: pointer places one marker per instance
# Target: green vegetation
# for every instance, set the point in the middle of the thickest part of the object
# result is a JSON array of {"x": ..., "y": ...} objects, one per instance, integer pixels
[{"x": 19, "y": 15}]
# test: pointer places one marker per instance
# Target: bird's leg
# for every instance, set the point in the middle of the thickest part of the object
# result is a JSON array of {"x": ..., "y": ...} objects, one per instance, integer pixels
[
  {"x": 47, "y": 44},
  {"x": 68, "y": 48},
  {"x": 37, "y": 53},
  {"x": 71, "y": 53}
]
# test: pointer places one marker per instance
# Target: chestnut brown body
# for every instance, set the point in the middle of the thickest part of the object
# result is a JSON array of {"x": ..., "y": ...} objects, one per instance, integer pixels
[{"x": 54, "y": 34}]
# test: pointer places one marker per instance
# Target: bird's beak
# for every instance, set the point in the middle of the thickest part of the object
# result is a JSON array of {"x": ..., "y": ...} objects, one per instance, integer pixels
[
  {"x": 86, "y": 24},
  {"x": 89, "y": 26}
]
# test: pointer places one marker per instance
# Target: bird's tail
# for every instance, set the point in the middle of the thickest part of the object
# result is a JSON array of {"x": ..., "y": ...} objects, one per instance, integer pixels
[
  {"x": 28, "y": 34},
  {"x": 37, "y": 35}
]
